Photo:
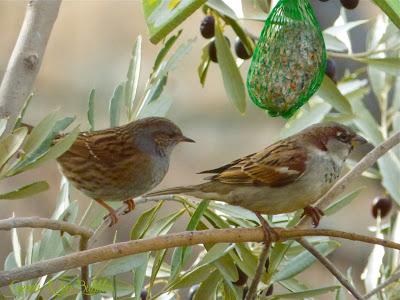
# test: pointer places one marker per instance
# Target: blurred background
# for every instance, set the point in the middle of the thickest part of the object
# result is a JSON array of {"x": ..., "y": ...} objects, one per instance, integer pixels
[{"x": 90, "y": 47}]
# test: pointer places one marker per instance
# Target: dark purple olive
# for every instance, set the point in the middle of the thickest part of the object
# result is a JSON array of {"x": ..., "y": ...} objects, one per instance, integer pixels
[
  {"x": 350, "y": 4},
  {"x": 330, "y": 70},
  {"x": 270, "y": 290},
  {"x": 241, "y": 51},
  {"x": 242, "y": 278},
  {"x": 266, "y": 265},
  {"x": 382, "y": 205},
  {"x": 324, "y": 0},
  {"x": 143, "y": 295},
  {"x": 212, "y": 50},
  {"x": 207, "y": 27}
]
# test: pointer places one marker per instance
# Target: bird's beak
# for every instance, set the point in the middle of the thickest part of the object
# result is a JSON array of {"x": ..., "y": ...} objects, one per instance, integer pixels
[
  {"x": 186, "y": 139},
  {"x": 358, "y": 140}
]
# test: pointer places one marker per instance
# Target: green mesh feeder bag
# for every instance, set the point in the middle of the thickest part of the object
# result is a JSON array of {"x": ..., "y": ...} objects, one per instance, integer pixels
[{"x": 289, "y": 62}]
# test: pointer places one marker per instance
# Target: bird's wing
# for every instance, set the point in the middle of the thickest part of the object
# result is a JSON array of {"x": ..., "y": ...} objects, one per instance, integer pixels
[
  {"x": 225, "y": 167},
  {"x": 277, "y": 165},
  {"x": 107, "y": 146}
]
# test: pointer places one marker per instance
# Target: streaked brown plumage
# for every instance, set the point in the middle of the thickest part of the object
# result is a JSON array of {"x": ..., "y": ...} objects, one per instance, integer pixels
[{"x": 121, "y": 163}]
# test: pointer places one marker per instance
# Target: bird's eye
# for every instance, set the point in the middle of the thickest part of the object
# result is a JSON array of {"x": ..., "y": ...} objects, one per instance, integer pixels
[{"x": 343, "y": 137}]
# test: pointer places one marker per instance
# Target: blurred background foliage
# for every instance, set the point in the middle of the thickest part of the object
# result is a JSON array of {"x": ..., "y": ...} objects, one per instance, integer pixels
[{"x": 90, "y": 59}]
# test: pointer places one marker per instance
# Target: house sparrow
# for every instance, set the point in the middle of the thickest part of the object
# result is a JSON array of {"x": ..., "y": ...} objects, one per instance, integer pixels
[
  {"x": 289, "y": 175},
  {"x": 121, "y": 163}
]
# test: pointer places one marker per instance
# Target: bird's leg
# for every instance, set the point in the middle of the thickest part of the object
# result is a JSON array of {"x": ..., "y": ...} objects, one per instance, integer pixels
[
  {"x": 112, "y": 213},
  {"x": 268, "y": 231},
  {"x": 131, "y": 206},
  {"x": 314, "y": 213}
]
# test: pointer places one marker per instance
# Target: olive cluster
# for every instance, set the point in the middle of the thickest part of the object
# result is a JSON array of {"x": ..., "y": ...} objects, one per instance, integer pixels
[
  {"x": 330, "y": 70},
  {"x": 349, "y": 4},
  {"x": 207, "y": 30}
]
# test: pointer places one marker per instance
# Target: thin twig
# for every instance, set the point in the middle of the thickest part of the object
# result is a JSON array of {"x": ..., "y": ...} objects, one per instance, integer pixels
[
  {"x": 85, "y": 281},
  {"x": 252, "y": 292},
  {"x": 331, "y": 267},
  {"x": 27, "y": 56},
  {"x": 188, "y": 238},
  {"x": 36, "y": 222},
  {"x": 366, "y": 162},
  {"x": 395, "y": 277}
]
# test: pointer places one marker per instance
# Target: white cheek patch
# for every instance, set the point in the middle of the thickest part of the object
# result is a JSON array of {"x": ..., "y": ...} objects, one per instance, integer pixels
[
  {"x": 285, "y": 170},
  {"x": 319, "y": 152}
]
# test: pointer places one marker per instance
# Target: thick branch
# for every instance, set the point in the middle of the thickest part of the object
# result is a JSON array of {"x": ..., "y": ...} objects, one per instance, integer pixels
[
  {"x": 36, "y": 222},
  {"x": 367, "y": 161},
  {"x": 27, "y": 56},
  {"x": 233, "y": 235}
]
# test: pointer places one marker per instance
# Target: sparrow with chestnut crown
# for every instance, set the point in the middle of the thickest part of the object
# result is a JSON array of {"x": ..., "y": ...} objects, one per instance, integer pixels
[{"x": 291, "y": 174}]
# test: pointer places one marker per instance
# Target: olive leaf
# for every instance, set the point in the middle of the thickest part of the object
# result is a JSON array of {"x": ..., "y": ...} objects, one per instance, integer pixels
[
  {"x": 162, "y": 17},
  {"x": 302, "y": 261},
  {"x": 26, "y": 191},
  {"x": 391, "y": 9},
  {"x": 233, "y": 81},
  {"x": 132, "y": 78},
  {"x": 115, "y": 105},
  {"x": 181, "y": 254},
  {"x": 11, "y": 143},
  {"x": 90, "y": 112}
]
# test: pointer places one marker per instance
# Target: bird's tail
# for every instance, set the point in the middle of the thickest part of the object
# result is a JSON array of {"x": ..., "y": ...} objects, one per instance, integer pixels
[{"x": 187, "y": 190}]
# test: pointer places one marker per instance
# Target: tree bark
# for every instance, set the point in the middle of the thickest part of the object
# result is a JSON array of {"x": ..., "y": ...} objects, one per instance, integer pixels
[
  {"x": 27, "y": 57},
  {"x": 188, "y": 238}
]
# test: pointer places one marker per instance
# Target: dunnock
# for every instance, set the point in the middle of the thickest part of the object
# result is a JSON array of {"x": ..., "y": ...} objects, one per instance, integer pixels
[
  {"x": 289, "y": 175},
  {"x": 121, "y": 163}
]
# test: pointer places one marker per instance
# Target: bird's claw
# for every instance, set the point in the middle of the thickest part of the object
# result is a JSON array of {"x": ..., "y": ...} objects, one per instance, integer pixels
[
  {"x": 112, "y": 217},
  {"x": 314, "y": 213},
  {"x": 112, "y": 213},
  {"x": 130, "y": 206},
  {"x": 269, "y": 233}
]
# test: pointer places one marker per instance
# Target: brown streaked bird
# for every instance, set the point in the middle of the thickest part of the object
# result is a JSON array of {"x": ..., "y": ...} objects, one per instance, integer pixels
[
  {"x": 289, "y": 175},
  {"x": 121, "y": 163}
]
